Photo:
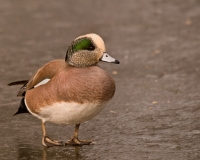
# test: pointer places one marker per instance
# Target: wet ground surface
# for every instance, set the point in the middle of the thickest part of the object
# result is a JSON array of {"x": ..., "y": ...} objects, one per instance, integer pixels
[{"x": 155, "y": 113}]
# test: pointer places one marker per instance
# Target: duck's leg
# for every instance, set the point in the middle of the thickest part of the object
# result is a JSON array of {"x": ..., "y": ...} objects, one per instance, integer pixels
[
  {"x": 46, "y": 141},
  {"x": 74, "y": 139}
]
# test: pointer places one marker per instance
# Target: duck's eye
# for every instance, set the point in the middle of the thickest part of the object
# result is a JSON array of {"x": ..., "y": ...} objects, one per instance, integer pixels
[{"x": 91, "y": 48}]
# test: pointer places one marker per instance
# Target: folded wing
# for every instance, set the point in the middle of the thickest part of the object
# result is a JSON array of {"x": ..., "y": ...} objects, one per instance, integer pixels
[{"x": 42, "y": 76}]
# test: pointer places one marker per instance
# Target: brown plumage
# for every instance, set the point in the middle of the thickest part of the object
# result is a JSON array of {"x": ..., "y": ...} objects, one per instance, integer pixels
[{"x": 81, "y": 85}]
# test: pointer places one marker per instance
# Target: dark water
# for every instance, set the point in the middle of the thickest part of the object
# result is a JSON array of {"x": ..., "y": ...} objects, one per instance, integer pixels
[{"x": 155, "y": 113}]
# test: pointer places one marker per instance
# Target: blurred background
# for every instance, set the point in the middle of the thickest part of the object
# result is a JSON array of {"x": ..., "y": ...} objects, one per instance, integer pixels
[{"x": 155, "y": 113}]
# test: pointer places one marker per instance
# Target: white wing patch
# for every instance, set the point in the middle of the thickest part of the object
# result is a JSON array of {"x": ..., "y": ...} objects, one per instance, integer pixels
[{"x": 42, "y": 82}]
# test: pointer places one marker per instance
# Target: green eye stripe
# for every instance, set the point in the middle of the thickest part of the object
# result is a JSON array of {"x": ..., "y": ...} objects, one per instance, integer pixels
[{"x": 83, "y": 44}]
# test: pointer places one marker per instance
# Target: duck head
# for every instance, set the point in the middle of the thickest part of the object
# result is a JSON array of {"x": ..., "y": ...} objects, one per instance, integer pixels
[{"x": 88, "y": 50}]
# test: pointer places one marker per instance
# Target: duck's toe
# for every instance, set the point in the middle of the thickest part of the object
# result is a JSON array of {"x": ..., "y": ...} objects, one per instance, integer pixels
[
  {"x": 85, "y": 142},
  {"x": 77, "y": 142},
  {"x": 47, "y": 142}
]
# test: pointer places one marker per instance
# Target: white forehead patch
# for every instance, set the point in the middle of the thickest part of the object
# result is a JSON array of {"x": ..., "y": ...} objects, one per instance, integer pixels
[{"x": 98, "y": 41}]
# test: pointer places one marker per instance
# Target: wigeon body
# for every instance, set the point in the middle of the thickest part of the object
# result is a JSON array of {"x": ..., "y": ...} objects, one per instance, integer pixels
[{"x": 69, "y": 91}]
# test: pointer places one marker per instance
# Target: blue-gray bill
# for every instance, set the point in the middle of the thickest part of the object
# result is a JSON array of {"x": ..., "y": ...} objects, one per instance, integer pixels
[{"x": 107, "y": 58}]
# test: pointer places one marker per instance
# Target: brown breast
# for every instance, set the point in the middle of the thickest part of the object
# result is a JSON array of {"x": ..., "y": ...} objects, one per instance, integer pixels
[{"x": 81, "y": 85}]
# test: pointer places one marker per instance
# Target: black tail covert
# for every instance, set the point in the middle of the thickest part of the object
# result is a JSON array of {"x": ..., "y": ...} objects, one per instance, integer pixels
[{"x": 22, "y": 108}]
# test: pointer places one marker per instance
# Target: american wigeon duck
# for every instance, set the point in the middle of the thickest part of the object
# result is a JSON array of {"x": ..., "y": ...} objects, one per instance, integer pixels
[{"x": 69, "y": 91}]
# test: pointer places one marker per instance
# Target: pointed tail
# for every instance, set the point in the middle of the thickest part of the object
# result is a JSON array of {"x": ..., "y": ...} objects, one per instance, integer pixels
[{"x": 18, "y": 83}]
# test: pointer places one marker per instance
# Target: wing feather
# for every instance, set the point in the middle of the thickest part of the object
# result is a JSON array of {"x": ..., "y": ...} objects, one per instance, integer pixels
[{"x": 42, "y": 76}]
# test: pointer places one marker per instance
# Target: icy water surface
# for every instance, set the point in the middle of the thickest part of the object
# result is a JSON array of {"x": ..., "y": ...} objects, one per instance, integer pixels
[{"x": 155, "y": 113}]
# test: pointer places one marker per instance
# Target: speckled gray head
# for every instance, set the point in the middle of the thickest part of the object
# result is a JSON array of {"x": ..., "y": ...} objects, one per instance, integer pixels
[{"x": 88, "y": 50}]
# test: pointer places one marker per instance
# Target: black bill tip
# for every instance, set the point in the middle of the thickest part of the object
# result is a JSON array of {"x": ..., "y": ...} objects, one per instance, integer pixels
[{"x": 116, "y": 62}]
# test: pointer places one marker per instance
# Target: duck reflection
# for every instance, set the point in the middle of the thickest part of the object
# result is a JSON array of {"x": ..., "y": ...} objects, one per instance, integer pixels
[{"x": 26, "y": 151}]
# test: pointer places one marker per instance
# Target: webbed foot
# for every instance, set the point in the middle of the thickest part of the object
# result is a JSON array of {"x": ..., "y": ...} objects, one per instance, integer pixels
[
  {"x": 76, "y": 142},
  {"x": 47, "y": 142}
]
